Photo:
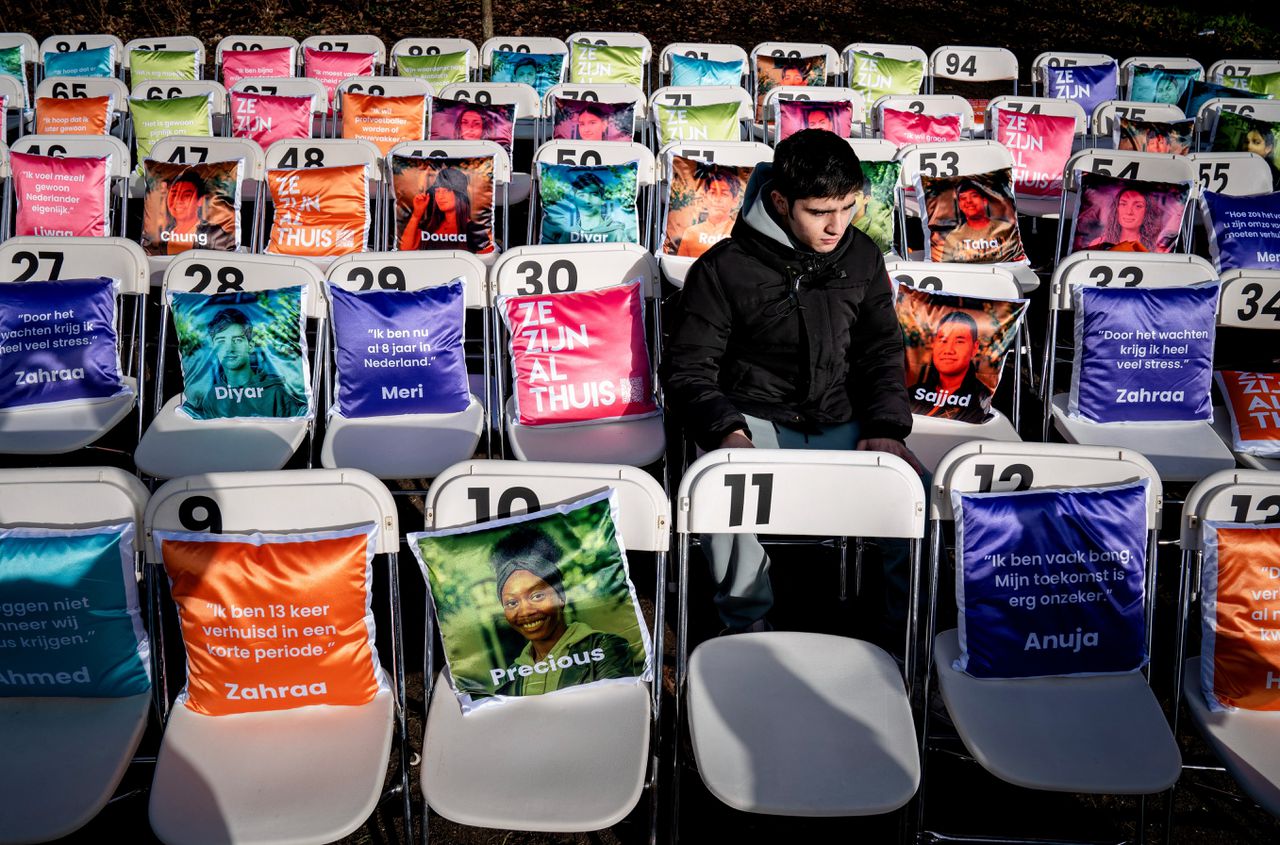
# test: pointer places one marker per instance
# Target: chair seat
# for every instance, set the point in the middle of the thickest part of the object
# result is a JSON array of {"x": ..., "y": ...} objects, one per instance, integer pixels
[
  {"x": 176, "y": 445},
  {"x": 637, "y": 442},
  {"x": 63, "y": 758},
  {"x": 567, "y": 762},
  {"x": 404, "y": 445},
  {"x": 931, "y": 438},
  {"x": 1026, "y": 278},
  {"x": 801, "y": 724},
  {"x": 1222, "y": 427},
  {"x": 1183, "y": 451},
  {"x": 1100, "y": 734},
  {"x": 63, "y": 426},
  {"x": 1247, "y": 741},
  {"x": 311, "y": 774}
]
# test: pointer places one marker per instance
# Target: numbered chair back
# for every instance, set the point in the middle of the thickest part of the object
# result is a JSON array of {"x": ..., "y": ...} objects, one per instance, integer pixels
[
  {"x": 76, "y": 568},
  {"x": 330, "y": 153},
  {"x": 976, "y": 73},
  {"x": 1248, "y": 420},
  {"x": 1240, "y": 174},
  {"x": 1102, "y": 123},
  {"x": 467, "y": 773},
  {"x": 1130, "y": 66},
  {"x": 897, "y": 52},
  {"x": 664, "y": 100},
  {"x": 1059, "y": 58},
  {"x": 425, "y": 58},
  {"x": 722, "y": 53},
  {"x": 588, "y": 63},
  {"x": 1210, "y": 113},
  {"x": 833, "y": 67},
  {"x": 177, "y": 46},
  {"x": 219, "y": 104},
  {"x": 349, "y": 43},
  {"x": 316, "y": 539},
  {"x": 822, "y": 742},
  {"x": 836, "y": 96},
  {"x": 416, "y": 414},
  {"x": 690, "y": 218},
  {"x": 30, "y": 67},
  {"x": 490, "y": 234},
  {"x": 608, "y": 93},
  {"x": 1225, "y": 70},
  {"x": 269, "y": 128},
  {"x": 223, "y": 307},
  {"x": 107, "y": 64},
  {"x": 953, "y": 118},
  {"x": 72, "y": 394},
  {"x": 1057, "y": 720},
  {"x": 234, "y": 59},
  {"x": 619, "y": 423},
  {"x": 1183, "y": 445},
  {"x": 87, "y": 211},
  {"x": 51, "y": 108},
  {"x": 616, "y": 172},
  {"x": 537, "y": 44},
  {"x": 1038, "y": 105},
  {"x": 386, "y": 122}
]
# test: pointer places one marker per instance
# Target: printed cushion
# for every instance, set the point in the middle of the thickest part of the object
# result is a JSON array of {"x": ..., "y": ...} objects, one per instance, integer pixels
[
  {"x": 69, "y": 116},
  {"x": 61, "y": 196},
  {"x": 444, "y": 202},
  {"x": 190, "y": 206},
  {"x": 971, "y": 218},
  {"x": 319, "y": 210},
  {"x": 1253, "y": 402},
  {"x": 386, "y": 121},
  {"x": 589, "y": 203}
]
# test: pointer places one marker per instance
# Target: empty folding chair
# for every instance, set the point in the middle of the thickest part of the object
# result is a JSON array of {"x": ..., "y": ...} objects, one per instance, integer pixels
[
  {"x": 599, "y": 741},
  {"x": 405, "y": 445},
  {"x": 1181, "y": 451},
  {"x": 58, "y": 88},
  {"x": 873, "y": 79},
  {"x": 441, "y": 61},
  {"x": 786, "y": 722},
  {"x": 85, "y": 146},
  {"x": 530, "y": 270},
  {"x": 1103, "y": 120},
  {"x": 84, "y": 744},
  {"x": 107, "y": 54},
  {"x": 528, "y": 111},
  {"x": 217, "y": 432},
  {"x": 66, "y": 425},
  {"x": 826, "y": 119},
  {"x": 183, "y": 58},
  {"x": 953, "y": 107},
  {"x": 272, "y": 86},
  {"x": 1132, "y": 66},
  {"x": 663, "y": 100},
  {"x": 311, "y": 773},
  {"x": 1097, "y": 734},
  {"x": 234, "y": 59},
  {"x": 1059, "y": 58},
  {"x": 609, "y": 225},
  {"x": 976, "y": 73},
  {"x": 1225, "y": 69},
  {"x": 724, "y": 55},
  {"x": 600, "y": 92},
  {"x": 933, "y": 437},
  {"x": 1250, "y": 300},
  {"x": 626, "y": 58}
]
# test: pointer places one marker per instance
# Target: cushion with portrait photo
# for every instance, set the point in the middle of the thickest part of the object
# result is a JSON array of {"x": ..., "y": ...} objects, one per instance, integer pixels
[
  {"x": 589, "y": 120},
  {"x": 703, "y": 202},
  {"x": 463, "y": 120},
  {"x": 444, "y": 202},
  {"x": 541, "y": 70},
  {"x": 243, "y": 354},
  {"x": 1160, "y": 85},
  {"x": 1199, "y": 93},
  {"x": 1153, "y": 137},
  {"x": 970, "y": 218},
  {"x": 1235, "y": 132},
  {"x": 439, "y": 69},
  {"x": 878, "y": 202},
  {"x": 774, "y": 71},
  {"x": 190, "y": 206},
  {"x": 1128, "y": 215},
  {"x": 589, "y": 203},
  {"x": 833, "y": 116},
  {"x": 13, "y": 63},
  {"x": 535, "y": 604}
]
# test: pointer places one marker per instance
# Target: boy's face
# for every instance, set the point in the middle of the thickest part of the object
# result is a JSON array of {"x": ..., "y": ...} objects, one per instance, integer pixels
[{"x": 816, "y": 222}]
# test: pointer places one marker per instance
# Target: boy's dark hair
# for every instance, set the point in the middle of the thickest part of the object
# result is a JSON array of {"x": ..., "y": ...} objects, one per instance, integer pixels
[{"x": 815, "y": 164}]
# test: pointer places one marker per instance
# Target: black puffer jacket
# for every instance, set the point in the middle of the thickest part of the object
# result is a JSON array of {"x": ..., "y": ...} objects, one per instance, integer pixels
[{"x": 766, "y": 328}]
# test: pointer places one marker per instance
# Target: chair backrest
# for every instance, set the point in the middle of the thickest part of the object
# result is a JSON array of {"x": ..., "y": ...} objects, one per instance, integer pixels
[
  {"x": 290, "y": 86},
  {"x": 930, "y": 104},
  {"x": 1250, "y": 299},
  {"x": 30, "y": 49},
  {"x": 601, "y": 92},
  {"x": 245, "y": 43},
  {"x": 520, "y": 44},
  {"x": 1098, "y": 268},
  {"x": 818, "y": 94},
  {"x": 990, "y": 466},
  {"x": 30, "y": 258},
  {"x": 517, "y": 94},
  {"x": 184, "y": 43},
  {"x": 1229, "y": 495},
  {"x": 285, "y": 501},
  {"x": 294, "y": 153},
  {"x": 900, "y": 52},
  {"x": 382, "y": 86},
  {"x": 1105, "y": 114},
  {"x": 460, "y": 149},
  {"x": 986, "y": 280},
  {"x": 1061, "y": 58},
  {"x": 874, "y": 149},
  {"x": 616, "y": 39},
  {"x": 1036, "y": 105},
  {"x": 67, "y": 88},
  {"x": 1131, "y": 64},
  {"x": 192, "y": 149},
  {"x": 34, "y": 497},
  {"x": 954, "y": 158},
  {"x": 562, "y": 151},
  {"x": 702, "y": 50},
  {"x": 731, "y": 153},
  {"x": 78, "y": 146},
  {"x": 436, "y": 47},
  {"x": 1246, "y": 68},
  {"x": 551, "y": 268},
  {"x": 704, "y": 95},
  {"x": 1128, "y": 164},
  {"x": 219, "y": 102},
  {"x": 349, "y": 43},
  {"x": 973, "y": 64},
  {"x": 477, "y": 491},
  {"x": 1236, "y": 174},
  {"x": 834, "y": 66},
  {"x": 790, "y": 492},
  {"x": 211, "y": 271},
  {"x": 411, "y": 271},
  {"x": 74, "y": 43},
  {"x": 1267, "y": 111}
]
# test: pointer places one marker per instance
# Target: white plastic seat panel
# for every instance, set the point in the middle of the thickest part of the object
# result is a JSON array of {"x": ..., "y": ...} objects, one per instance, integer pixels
[
  {"x": 570, "y": 761},
  {"x": 1181, "y": 451},
  {"x": 1104, "y": 734},
  {"x": 63, "y": 758},
  {"x": 1222, "y": 427},
  {"x": 675, "y": 268},
  {"x": 287, "y": 777},
  {"x": 931, "y": 438},
  {"x": 175, "y": 444},
  {"x": 64, "y": 426},
  {"x": 637, "y": 442},
  {"x": 1247, "y": 741},
  {"x": 802, "y": 724},
  {"x": 404, "y": 445}
]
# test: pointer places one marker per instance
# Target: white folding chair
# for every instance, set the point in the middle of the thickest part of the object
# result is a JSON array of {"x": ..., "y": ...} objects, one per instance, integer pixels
[
  {"x": 786, "y": 722},
  {"x": 502, "y": 179},
  {"x": 65, "y": 427},
  {"x": 528, "y": 270},
  {"x": 732, "y": 153},
  {"x": 84, "y": 745},
  {"x": 1228, "y": 68},
  {"x": 348, "y": 43},
  {"x": 219, "y": 103},
  {"x": 703, "y": 95},
  {"x": 954, "y": 70},
  {"x": 1130, "y": 65},
  {"x": 931, "y": 438},
  {"x": 825, "y": 94},
  {"x": 542, "y": 44},
  {"x": 247, "y": 43},
  {"x": 183, "y": 43},
  {"x": 62, "y": 88},
  {"x": 597, "y": 152},
  {"x": 1037, "y": 206},
  {"x": 1243, "y": 740},
  {"x": 600, "y": 741},
  {"x": 1101, "y": 734},
  {"x": 833, "y": 66},
  {"x": 1060, "y": 58},
  {"x": 175, "y": 444},
  {"x": 898, "y": 52},
  {"x": 528, "y": 114},
  {"x": 436, "y": 47},
  {"x": 310, "y": 774},
  {"x": 1181, "y": 451},
  {"x": 31, "y": 60},
  {"x": 1206, "y": 119},
  {"x": 935, "y": 105},
  {"x": 407, "y": 445},
  {"x": 1250, "y": 299},
  {"x": 1105, "y": 114},
  {"x": 601, "y": 92},
  {"x": 75, "y": 43},
  {"x": 701, "y": 50},
  {"x": 86, "y": 146},
  {"x": 290, "y": 86},
  {"x": 618, "y": 39},
  {"x": 4, "y": 189}
]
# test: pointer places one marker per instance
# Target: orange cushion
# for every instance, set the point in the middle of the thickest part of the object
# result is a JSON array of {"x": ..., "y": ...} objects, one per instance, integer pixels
[{"x": 319, "y": 210}]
